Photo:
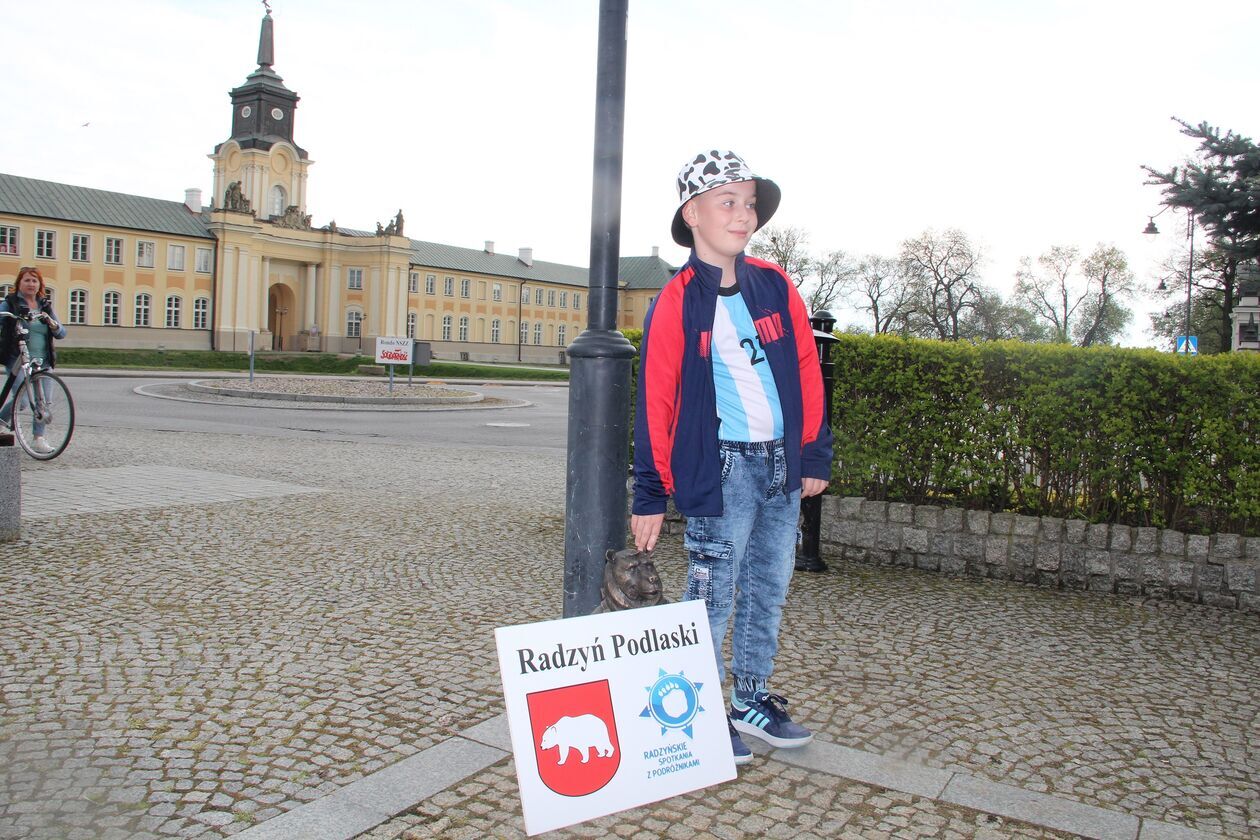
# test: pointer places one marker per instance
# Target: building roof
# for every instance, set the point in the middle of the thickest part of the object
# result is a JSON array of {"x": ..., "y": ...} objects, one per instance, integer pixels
[
  {"x": 635, "y": 272},
  {"x": 646, "y": 272},
  {"x": 50, "y": 200},
  {"x": 437, "y": 255}
]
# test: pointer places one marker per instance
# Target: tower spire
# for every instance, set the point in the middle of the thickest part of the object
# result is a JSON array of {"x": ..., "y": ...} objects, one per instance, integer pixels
[
  {"x": 266, "y": 41},
  {"x": 263, "y": 108}
]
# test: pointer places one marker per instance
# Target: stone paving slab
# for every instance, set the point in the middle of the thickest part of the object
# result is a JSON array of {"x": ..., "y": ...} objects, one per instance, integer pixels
[
  {"x": 67, "y": 492},
  {"x": 368, "y": 802},
  {"x": 1040, "y": 809},
  {"x": 199, "y": 669},
  {"x": 869, "y": 768},
  {"x": 1155, "y": 830}
]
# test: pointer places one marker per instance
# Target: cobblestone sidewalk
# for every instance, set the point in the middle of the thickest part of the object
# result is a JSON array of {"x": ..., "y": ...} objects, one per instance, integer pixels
[{"x": 196, "y": 668}]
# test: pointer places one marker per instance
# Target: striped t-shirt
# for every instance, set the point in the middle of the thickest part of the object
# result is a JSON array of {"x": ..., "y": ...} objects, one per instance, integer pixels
[{"x": 747, "y": 400}]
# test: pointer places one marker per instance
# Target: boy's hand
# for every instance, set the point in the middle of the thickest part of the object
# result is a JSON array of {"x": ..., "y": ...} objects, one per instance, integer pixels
[
  {"x": 646, "y": 529},
  {"x": 812, "y": 487}
]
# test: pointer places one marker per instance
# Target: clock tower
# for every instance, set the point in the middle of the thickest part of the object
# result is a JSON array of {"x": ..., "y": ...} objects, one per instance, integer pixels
[{"x": 261, "y": 156}]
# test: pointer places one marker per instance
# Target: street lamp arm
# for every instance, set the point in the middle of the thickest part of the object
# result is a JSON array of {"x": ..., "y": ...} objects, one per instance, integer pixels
[{"x": 1152, "y": 230}]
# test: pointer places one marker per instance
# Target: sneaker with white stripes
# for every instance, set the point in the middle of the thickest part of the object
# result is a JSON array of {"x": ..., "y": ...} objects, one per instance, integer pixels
[{"x": 765, "y": 716}]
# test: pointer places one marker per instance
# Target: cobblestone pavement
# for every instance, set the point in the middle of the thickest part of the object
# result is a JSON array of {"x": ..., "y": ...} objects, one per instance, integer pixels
[{"x": 195, "y": 669}]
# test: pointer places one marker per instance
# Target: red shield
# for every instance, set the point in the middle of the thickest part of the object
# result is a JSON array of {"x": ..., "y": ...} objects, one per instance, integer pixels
[{"x": 575, "y": 737}]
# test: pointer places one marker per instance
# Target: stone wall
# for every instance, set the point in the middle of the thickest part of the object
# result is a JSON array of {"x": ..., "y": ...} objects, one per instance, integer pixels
[{"x": 1222, "y": 570}]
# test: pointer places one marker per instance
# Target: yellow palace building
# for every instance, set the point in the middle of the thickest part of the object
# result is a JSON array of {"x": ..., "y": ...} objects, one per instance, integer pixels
[{"x": 132, "y": 271}]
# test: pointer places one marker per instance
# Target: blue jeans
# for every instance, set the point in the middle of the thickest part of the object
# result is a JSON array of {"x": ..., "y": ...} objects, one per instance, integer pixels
[{"x": 742, "y": 561}]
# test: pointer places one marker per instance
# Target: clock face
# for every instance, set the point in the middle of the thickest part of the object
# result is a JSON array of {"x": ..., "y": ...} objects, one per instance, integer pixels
[
  {"x": 277, "y": 114},
  {"x": 246, "y": 111}
]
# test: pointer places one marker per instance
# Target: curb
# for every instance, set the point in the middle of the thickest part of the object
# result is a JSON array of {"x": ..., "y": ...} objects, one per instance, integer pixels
[{"x": 200, "y": 386}]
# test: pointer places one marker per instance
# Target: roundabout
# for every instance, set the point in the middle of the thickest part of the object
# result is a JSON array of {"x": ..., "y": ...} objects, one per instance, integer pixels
[{"x": 327, "y": 394}]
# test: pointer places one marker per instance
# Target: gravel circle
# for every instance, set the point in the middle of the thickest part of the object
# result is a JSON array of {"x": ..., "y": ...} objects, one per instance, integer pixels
[
  {"x": 318, "y": 394},
  {"x": 340, "y": 388}
]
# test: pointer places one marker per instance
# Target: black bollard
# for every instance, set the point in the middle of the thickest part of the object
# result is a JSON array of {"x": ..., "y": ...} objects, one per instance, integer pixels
[
  {"x": 599, "y": 375},
  {"x": 809, "y": 557}
]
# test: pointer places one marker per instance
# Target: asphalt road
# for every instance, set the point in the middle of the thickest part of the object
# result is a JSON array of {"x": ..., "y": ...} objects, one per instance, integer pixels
[{"x": 112, "y": 402}]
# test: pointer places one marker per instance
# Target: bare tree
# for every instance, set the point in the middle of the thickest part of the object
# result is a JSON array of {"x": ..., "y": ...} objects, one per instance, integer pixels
[
  {"x": 819, "y": 280},
  {"x": 1086, "y": 308},
  {"x": 1108, "y": 282},
  {"x": 943, "y": 270},
  {"x": 878, "y": 288},
  {"x": 1048, "y": 293},
  {"x": 786, "y": 247},
  {"x": 833, "y": 274}
]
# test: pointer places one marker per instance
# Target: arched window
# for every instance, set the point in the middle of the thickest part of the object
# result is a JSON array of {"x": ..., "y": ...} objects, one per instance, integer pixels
[
  {"x": 278, "y": 200},
  {"x": 172, "y": 311},
  {"x": 494, "y": 331},
  {"x": 560, "y": 333},
  {"x": 354, "y": 323},
  {"x": 538, "y": 332},
  {"x": 111, "y": 303},
  {"x": 78, "y": 306},
  {"x": 446, "y": 327},
  {"x": 201, "y": 313},
  {"x": 411, "y": 325},
  {"x": 524, "y": 333},
  {"x": 463, "y": 328},
  {"x": 143, "y": 302}
]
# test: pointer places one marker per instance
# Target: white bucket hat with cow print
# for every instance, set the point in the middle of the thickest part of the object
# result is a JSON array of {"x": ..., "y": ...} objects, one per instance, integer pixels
[{"x": 712, "y": 169}]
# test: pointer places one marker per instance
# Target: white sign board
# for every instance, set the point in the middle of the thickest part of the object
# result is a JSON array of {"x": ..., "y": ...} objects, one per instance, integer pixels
[
  {"x": 612, "y": 711},
  {"x": 393, "y": 351}
]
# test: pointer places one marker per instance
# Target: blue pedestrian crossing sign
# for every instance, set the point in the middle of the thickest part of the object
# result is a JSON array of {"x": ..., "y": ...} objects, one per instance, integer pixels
[{"x": 1191, "y": 341}]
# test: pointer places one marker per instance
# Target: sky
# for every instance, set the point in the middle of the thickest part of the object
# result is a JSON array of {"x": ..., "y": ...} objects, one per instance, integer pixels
[{"x": 1023, "y": 124}]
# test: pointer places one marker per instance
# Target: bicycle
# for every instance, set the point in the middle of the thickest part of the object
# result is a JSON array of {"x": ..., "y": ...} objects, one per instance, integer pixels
[{"x": 42, "y": 414}]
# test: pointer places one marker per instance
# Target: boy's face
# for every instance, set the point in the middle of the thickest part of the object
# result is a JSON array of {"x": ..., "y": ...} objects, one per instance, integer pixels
[{"x": 723, "y": 219}]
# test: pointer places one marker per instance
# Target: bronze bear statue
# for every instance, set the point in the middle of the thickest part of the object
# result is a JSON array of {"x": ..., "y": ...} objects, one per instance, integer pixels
[{"x": 630, "y": 580}]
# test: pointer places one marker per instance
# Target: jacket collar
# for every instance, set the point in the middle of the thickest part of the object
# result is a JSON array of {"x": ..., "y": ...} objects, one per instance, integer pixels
[{"x": 710, "y": 276}]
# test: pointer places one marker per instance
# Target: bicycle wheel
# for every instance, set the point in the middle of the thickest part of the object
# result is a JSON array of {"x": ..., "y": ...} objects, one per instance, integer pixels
[{"x": 43, "y": 416}]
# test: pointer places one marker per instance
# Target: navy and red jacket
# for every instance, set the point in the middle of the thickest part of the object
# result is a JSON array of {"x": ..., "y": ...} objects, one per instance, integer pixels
[{"x": 676, "y": 421}]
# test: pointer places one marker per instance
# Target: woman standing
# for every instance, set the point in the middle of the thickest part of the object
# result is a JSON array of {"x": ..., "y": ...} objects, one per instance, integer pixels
[{"x": 28, "y": 300}]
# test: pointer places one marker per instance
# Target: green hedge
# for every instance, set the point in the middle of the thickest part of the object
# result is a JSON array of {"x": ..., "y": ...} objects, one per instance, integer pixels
[
  {"x": 328, "y": 363},
  {"x": 1110, "y": 435}
]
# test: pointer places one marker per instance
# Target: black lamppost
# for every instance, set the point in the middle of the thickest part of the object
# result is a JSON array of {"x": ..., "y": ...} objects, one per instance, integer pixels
[
  {"x": 599, "y": 376},
  {"x": 1152, "y": 231},
  {"x": 809, "y": 558},
  {"x": 278, "y": 340}
]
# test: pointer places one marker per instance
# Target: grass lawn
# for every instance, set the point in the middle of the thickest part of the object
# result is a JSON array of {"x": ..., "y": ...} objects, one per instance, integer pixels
[{"x": 323, "y": 363}]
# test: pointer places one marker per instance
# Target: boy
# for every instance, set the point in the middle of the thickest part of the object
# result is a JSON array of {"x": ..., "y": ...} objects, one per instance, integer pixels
[{"x": 730, "y": 423}]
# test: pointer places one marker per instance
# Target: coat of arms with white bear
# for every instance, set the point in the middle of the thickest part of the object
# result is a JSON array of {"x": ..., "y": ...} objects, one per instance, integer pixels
[{"x": 584, "y": 733}]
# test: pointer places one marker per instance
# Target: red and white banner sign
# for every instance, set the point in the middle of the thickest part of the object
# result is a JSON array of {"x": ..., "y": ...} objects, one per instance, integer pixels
[
  {"x": 393, "y": 351},
  {"x": 611, "y": 711}
]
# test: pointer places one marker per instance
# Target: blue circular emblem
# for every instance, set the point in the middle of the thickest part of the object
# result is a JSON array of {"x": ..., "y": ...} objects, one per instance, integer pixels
[{"x": 673, "y": 701}]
